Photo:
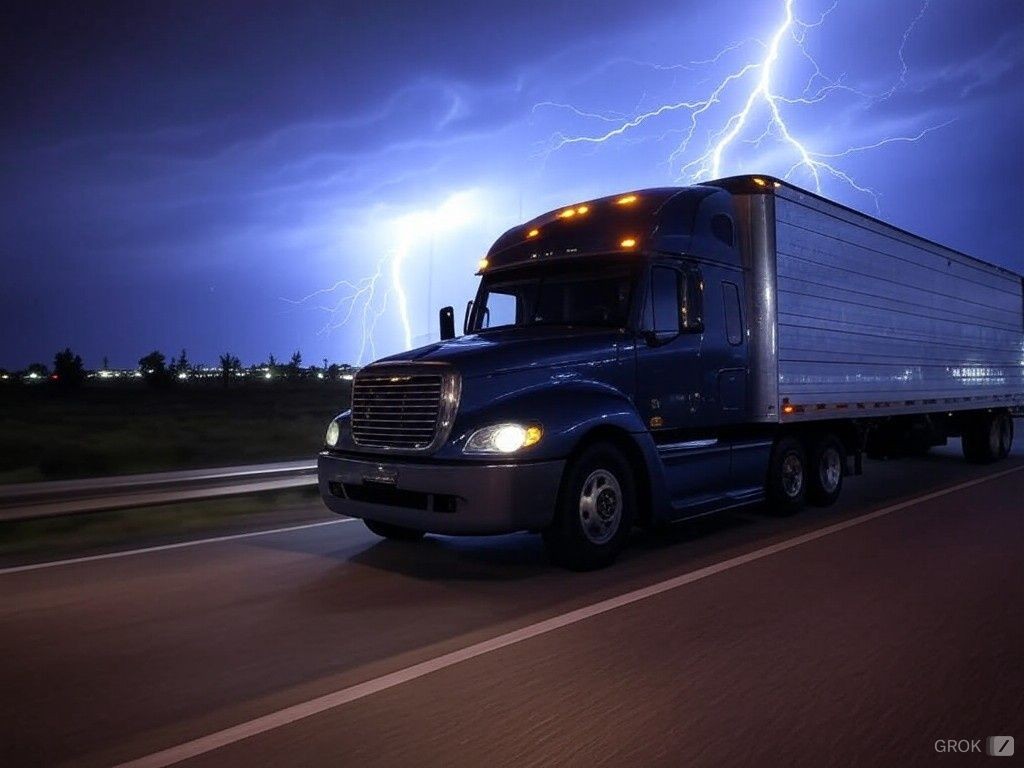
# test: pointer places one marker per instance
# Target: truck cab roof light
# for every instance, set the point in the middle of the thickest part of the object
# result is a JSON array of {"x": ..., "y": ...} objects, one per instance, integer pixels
[
  {"x": 626, "y": 200},
  {"x": 482, "y": 264},
  {"x": 628, "y": 242},
  {"x": 568, "y": 213},
  {"x": 533, "y": 233}
]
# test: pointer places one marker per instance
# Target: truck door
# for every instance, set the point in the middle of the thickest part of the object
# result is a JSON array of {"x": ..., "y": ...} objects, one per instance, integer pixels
[{"x": 671, "y": 383}]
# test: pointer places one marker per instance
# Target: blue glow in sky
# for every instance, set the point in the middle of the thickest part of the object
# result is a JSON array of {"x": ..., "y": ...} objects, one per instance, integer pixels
[{"x": 185, "y": 175}]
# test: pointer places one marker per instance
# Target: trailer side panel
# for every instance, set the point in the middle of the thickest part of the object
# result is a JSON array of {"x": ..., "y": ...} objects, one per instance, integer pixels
[{"x": 872, "y": 319}]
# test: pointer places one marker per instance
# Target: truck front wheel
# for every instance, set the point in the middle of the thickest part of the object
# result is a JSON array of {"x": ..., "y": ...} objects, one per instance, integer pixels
[
  {"x": 395, "y": 532},
  {"x": 595, "y": 510},
  {"x": 787, "y": 477}
]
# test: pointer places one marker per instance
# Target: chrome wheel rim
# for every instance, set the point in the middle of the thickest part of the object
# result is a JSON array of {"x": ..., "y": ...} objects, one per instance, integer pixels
[
  {"x": 792, "y": 475},
  {"x": 830, "y": 469},
  {"x": 600, "y": 506}
]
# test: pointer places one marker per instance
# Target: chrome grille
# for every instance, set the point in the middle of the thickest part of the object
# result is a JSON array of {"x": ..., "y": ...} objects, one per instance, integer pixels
[{"x": 398, "y": 410}]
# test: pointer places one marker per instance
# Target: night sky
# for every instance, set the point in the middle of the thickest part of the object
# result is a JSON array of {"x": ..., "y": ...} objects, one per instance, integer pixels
[{"x": 184, "y": 174}]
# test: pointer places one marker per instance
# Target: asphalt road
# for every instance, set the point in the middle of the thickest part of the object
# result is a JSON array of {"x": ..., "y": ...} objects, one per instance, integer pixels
[{"x": 857, "y": 635}]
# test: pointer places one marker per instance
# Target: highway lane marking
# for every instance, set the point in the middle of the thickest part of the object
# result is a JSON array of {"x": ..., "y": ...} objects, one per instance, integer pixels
[
  {"x": 204, "y": 744},
  {"x": 164, "y": 547}
]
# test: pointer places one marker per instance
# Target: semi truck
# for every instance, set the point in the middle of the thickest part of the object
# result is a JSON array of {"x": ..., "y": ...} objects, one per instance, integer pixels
[{"x": 661, "y": 354}]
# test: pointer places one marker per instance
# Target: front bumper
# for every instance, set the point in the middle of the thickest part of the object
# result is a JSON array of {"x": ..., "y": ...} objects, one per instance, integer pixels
[{"x": 459, "y": 499}]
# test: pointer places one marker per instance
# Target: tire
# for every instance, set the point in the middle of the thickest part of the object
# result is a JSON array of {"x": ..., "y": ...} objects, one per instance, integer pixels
[
  {"x": 1005, "y": 435},
  {"x": 595, "y": 510},
  {"x": 826, "y": 462},
  {"x": 970, "y": 442},
  {"x": 988, "y": 437},
  {"x": 786, "y": 487},
  {"x": 393, "y": 532}
]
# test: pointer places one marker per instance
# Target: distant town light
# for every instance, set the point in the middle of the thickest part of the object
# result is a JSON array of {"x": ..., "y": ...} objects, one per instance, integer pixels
[
  {"x": 182, "y": 375},
  {"x": 319, "y": 375},
  {"x": 267, "y": 375}
]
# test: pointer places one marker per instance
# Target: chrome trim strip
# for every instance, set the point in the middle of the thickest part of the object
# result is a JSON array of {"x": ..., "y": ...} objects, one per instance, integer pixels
[{"x": 688, "y": 445}]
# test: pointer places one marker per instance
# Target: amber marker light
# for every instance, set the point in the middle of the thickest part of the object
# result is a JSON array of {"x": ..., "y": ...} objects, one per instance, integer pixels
[
  {"x": 482, "y": 264},
  {"x": 581, "y": 209},
  {"x": 568, "y": 213},
  {"x": 626, "y": 200},
  {"x": 533, "y": 233},
  {"x": 759, "y": 182},
  {"x": 628, "y": 242}
]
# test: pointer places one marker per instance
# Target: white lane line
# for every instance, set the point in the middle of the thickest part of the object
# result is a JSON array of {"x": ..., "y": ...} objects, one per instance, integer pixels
[
  {"x": 164, "y": 547},
  {"x": 204, "y": 744}
]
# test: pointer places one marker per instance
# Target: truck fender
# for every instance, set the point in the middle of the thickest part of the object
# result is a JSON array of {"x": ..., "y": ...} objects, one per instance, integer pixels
[{"x": 575, "y": 414}]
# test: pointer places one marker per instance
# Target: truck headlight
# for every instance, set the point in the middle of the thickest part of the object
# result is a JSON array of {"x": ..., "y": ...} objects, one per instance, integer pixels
[
  {"x": 504, "y": 438},
  {"x": 333, "y": 433}
]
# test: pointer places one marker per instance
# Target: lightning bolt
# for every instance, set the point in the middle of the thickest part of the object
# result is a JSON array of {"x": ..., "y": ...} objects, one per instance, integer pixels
[
  {"x": 365, "y": 299},
  {"x": 364, "y": 303},
  {"x": 762, "y": 107}
]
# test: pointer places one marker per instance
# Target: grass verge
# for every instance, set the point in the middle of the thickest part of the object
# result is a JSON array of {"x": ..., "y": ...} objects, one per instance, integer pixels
[{"x": 77, "y": 535}]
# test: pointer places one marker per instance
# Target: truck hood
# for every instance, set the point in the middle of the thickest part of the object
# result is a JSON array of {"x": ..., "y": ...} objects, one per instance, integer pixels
[{"x": 516, "y": 349}]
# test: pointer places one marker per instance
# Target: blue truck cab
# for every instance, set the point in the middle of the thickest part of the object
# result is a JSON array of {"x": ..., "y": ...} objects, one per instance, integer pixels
[{"x": 620, "y": 365}]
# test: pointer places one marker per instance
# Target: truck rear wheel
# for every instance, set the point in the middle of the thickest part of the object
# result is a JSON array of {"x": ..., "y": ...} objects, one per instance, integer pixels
[
  {"x": 825, "y": 476},
  {"x": 787, "y": 477},
  {"x": 394, "y": 532},
  {"x": 988, "y": 437},
  {"x": 1005, "y": 435},
  {"x": 595, "y": 510}
]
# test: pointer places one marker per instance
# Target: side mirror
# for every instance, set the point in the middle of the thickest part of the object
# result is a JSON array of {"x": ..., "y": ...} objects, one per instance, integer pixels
[
  {"x": 446, "y": 318},
  {"x": 468, "y": 317}
]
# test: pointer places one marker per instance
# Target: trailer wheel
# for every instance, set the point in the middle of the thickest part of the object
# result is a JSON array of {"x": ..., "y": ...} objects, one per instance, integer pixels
[
  {"x": 787, "y": 477},
  {"x": 1005, "y": 435},
  {"x": 987, "y": 438},
  {"x": 825, "y": 478},
  {"x": 393, "y": 532},
  {"x": 595, "y": 510}
]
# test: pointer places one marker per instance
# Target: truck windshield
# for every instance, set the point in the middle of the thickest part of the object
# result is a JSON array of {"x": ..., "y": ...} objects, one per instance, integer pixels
[{"x": 577, "y": 293}]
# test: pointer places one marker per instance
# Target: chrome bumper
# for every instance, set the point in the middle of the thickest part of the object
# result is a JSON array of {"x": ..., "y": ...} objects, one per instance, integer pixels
[{"x": 459, "y": 499}]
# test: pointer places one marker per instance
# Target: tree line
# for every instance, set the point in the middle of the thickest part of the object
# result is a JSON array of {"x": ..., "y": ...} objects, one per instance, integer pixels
[{"x": 69, "y": 371}]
